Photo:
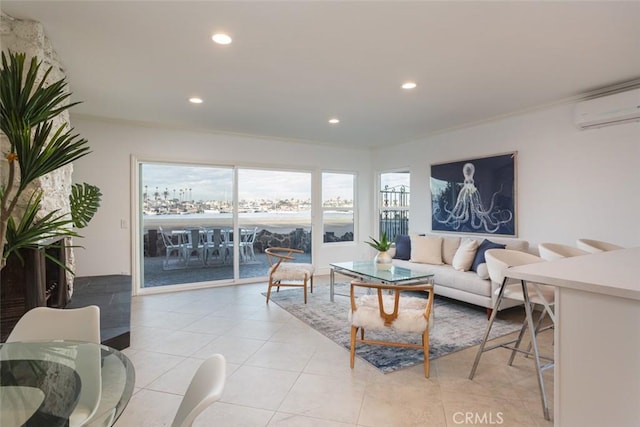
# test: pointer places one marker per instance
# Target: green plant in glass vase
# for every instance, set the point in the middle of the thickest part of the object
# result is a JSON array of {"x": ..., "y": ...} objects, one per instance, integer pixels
[
  {"x": 382, "y": 259},
  {"x": 28, "y": 105}
]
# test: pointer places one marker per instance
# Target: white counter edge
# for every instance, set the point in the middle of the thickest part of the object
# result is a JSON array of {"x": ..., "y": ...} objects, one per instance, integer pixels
[{"x": 614, "y": 273}]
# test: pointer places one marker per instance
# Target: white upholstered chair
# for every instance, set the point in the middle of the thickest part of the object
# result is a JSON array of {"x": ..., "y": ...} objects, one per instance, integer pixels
[
  {"x": 530, "y": 294},
  {"x": 594, "y": 246},
  {"x": 388, "y": 308},
  {"x": 553, "y": 251},
  {"x": 285, "y": 273},
  {"x": 206, "y": 388},
  {"x": 76, "y": 324},
  {"x": 45, "y": 323}
]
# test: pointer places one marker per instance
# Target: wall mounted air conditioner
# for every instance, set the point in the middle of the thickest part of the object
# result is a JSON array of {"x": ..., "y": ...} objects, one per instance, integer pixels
[{"x": 608, "y": 110}]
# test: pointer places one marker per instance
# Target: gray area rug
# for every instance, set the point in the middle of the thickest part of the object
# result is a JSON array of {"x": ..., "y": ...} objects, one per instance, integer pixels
[{"x": 456, "y": 326}]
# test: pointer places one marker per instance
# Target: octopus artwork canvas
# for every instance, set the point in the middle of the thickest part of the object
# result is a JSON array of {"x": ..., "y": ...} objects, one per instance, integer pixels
[{"x": 475, "y": 196}]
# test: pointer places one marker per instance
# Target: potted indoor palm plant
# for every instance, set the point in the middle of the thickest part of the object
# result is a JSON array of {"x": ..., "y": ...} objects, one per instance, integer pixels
[
  {"x": 31, "y": 149},
  {"x": 382, "y": 259}
]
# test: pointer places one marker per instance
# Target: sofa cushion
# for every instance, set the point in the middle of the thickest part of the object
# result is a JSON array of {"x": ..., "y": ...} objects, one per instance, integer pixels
[
  {"x": 403, "y": 247},
  {"x": 449, "y": 248},
  {"x": 426, "y": 249},
  {"x": 469, "y": 281},
  {"x": 466, "y": 252},
  {"x": 484, "y": 246}
]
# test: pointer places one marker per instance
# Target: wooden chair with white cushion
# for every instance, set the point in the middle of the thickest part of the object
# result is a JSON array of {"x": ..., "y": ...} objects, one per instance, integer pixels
[
  {"x": 595, "y": 246},
  {"x": 387, "y": 308},
  {"x": 285, "y": 273},
  {"x": 553, "y": 251}
]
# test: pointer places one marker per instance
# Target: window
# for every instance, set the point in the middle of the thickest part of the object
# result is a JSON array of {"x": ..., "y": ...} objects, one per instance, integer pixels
[
  {"x": 337, "y": 207},
  {"x": 394, "y": 203}
]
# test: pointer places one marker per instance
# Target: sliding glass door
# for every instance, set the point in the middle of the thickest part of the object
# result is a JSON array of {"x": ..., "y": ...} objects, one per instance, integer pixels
[
  {"x": 274, "y": 210},
  {"x": 186, "y": 218},
  {"x": 196, "y": 226}
]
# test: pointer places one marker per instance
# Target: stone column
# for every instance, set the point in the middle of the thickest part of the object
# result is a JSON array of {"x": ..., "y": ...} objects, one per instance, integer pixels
[{"x": 26, "y": 36}]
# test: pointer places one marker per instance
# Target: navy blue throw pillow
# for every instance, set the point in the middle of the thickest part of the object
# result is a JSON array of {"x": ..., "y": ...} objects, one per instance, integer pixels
[
  {"x": 403, "y": 247},
  {"x": 484, "y": 246}
]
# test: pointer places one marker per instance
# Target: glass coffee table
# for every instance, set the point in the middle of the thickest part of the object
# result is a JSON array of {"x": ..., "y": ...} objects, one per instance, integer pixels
[{"x": 366, "y": 270}]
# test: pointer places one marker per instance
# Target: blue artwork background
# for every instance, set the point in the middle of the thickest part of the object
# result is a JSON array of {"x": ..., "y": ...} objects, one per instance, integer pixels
[{"x": 494, "y": 182}]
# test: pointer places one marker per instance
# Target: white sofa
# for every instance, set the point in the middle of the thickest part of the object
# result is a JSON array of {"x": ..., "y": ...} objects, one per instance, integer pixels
[{"x": 468, "y": 286}]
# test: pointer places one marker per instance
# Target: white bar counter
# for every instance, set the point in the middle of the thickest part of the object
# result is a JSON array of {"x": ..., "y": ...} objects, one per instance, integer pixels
[{"x": 597, "y": 336}]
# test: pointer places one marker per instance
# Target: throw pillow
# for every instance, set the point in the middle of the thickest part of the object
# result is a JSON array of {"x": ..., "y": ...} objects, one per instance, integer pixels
[
  {"x": 484, "y": 246},
  {"x": 483, "y": 271},
  {"x": 403, "y": 247},
  {"x": 426, "y": 249},
  {"x": 449, "y": 248},
  {"x": 463, "y": 259}
]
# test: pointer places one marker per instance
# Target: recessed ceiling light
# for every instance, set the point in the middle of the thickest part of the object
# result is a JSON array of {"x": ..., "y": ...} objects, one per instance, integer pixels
[
  {"x": 195, "y": 100},
  {"x": 221, "y": 38},
  {"x": 334, "y": 121},
  {"x": 409, "y": 85}
]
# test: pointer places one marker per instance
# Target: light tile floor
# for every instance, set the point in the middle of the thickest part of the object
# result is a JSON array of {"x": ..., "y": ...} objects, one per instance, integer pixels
[{"x": 281, "y": 372}]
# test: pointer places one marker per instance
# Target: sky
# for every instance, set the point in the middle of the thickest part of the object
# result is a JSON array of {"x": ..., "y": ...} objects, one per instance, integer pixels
[{"x": 215, "y": 183}]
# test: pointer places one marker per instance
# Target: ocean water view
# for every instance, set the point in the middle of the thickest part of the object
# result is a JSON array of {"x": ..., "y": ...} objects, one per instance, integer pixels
[{"x": 338, "y": 222}]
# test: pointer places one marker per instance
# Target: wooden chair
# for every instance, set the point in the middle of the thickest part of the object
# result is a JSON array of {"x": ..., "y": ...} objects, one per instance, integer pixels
[
  {"x": 391, "y": 310},
  {"x": 285, "y": 273}
]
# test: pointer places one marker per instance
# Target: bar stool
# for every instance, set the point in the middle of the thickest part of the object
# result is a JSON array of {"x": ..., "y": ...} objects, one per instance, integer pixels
[
  {"x": 595, "y": 246},
  {"x": 498, "y": 260}
]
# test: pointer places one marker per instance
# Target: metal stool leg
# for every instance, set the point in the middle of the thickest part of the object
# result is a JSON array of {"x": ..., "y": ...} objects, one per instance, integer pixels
[
  {"x": 539, "y": 328},
  {"x": 487, "y": 331},
  {"x": 528, "y": 324},
  {"x": 534, "y": 344},
  {"x": 523, "y": 329}
]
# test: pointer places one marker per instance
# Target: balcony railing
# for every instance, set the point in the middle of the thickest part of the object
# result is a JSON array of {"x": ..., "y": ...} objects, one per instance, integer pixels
[{"x": 394, "y": 211}]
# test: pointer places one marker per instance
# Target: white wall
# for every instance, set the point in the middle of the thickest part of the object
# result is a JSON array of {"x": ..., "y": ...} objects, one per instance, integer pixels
[
  {"x": 108, "y": 246},
  {"x": 571, "y": 183}
]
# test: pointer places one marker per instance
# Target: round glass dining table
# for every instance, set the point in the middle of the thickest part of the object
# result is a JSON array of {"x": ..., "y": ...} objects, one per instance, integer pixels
[{"x": 45, "y": 383}]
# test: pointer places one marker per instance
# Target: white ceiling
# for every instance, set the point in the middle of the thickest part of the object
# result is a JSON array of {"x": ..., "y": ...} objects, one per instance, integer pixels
[{"x": 294, "y": 64}]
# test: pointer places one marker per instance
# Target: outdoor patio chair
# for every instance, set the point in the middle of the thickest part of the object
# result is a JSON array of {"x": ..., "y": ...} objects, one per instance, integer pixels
[
  {"x": 248, "y": 238},
  {"x": 386, "y": 308},
  {"x": 215, "y": 245},
  {"x": 195, "y": 244},
  {"x": 285, "y": 273},
  {"x": 173, "y": 250}
]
